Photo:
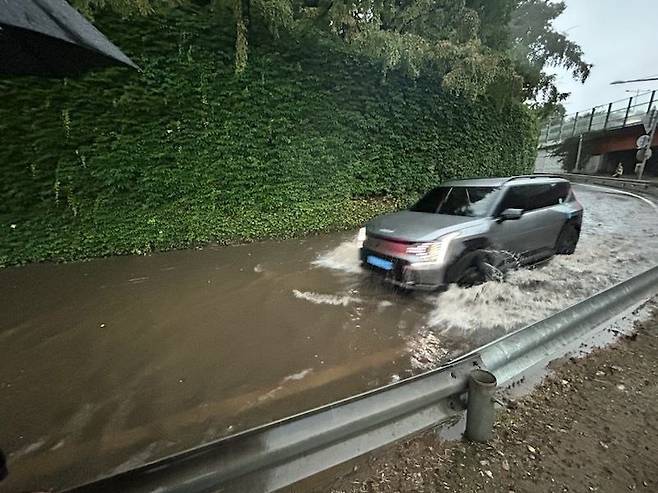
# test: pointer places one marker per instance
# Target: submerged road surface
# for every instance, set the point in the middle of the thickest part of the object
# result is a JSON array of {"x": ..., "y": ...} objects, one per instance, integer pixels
[{"x": 108, "y": 364}]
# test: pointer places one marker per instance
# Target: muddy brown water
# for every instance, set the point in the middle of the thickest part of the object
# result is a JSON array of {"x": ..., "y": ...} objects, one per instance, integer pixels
[{"x": 110, "y": 363}]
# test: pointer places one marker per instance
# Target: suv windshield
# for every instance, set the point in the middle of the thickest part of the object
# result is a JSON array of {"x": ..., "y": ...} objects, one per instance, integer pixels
[{"x": 457, "y": 201}]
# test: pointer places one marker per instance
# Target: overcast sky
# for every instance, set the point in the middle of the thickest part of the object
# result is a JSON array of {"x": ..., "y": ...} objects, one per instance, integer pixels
[{"x": 620, "y": 37}]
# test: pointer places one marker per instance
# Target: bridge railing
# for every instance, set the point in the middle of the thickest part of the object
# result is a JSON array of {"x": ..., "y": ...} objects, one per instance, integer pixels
[{"x": 617, "y": 114}]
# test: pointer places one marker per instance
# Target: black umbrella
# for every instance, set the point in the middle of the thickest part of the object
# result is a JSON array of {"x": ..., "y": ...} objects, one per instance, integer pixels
[{"x": 50, "y": 38}]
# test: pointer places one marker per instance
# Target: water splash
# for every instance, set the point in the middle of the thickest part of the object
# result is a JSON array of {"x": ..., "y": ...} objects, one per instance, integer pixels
[
  {"x": 425, "y": 349},
  {"x": 297, "y": 376},
  {"x": 289, "y": 378},
  {"x": 345, "y": 257},
  {"x": 619, "y": 240},
  {"x": 325, "y": 299}
]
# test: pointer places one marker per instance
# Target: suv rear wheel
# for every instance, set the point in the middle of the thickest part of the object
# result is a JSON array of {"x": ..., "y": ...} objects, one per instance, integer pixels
[{"x": 567, "y": 240}]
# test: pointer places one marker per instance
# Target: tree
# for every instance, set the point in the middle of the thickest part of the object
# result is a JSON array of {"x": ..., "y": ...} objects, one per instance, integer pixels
[
  {"x": 536, "y": 45},
  {"x": 471, "y": 47},
  {"x": 495, "y": 17},
  {"x": 433, "y": 38},
  {"x": 124, "y": 7},
  {"x": 273, "y": 15},
  {"x": 241, "y": 12}
]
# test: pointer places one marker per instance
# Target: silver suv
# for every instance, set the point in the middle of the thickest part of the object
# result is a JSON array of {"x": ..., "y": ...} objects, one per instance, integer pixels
[{"x": 470, "y": 231}]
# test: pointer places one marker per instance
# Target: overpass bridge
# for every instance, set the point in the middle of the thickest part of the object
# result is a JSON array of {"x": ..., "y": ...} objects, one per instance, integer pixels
[{"x": 609, "y": 133}]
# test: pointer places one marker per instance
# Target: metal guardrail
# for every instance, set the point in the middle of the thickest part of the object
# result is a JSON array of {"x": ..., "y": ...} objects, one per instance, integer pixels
[
  {"x": 617, "y": 114},
  {"x": 645, "y": 187},
  {"x": 279, "y": 454}
]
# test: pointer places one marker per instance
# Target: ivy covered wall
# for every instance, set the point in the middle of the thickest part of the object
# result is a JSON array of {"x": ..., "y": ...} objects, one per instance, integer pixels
[{"x": 308, "y": 139}]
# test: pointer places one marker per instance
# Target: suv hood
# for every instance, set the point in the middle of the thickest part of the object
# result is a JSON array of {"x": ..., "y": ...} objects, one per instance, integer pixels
[{"x": 414, "y": 227}]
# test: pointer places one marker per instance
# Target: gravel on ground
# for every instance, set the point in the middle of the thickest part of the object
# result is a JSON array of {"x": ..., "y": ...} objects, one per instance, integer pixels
[{"x": 592, "y": 425}]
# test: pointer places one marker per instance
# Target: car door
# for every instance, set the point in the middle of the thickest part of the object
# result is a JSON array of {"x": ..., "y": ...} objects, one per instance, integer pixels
[
  {"x": 545, "y": 209},
  {"x": 557, "y": 211},
  {"x": 520, "y": 236},
  {"x": 541, "y": 216}
]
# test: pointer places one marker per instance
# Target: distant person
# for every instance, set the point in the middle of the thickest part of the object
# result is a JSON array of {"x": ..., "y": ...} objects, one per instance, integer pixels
[{"x": 619, "y": 171}]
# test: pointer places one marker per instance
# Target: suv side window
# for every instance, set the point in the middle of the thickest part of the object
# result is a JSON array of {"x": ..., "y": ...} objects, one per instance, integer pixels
[
  {"x": 515, "y": 198},
  {"x": 539, "y": 196},
  {"x": 532, "y": 197},
  {"x": 548, "y": 195},
  {"x": 562, "y": 192}
]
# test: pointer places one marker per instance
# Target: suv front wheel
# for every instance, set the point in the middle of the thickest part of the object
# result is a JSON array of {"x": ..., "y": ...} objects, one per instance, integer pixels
[{"x": 477, "y": 267}]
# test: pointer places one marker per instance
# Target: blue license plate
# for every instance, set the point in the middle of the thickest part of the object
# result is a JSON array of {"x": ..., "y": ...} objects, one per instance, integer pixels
[{"x": 379, "y": 262}]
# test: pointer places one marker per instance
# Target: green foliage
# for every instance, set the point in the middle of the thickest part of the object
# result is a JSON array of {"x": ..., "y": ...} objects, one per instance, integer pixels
[
  {"x": 124, "y": 7},
  {"x": 537, "y": 45},
  {"x": 438, "y": 39},
  {"x": 495, "y": 17},
  {"x": 471, "y": 47},
  {"x": 186, "y": 153},
  {"x": 241, "y": 14}
]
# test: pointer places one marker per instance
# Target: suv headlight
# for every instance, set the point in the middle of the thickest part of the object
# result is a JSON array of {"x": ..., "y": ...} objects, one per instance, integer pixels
[
  {"x": 361, "y": 237},
  {"x": 433, "y": 251}
]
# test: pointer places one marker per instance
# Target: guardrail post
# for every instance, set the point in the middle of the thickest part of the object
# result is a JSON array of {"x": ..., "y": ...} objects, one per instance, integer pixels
[
  {"x": 607, "y": 116},
  {"x": 580, "y": 150},
  {"x": 480, "y": 412},
  {"x": 591, "y": 119},
  {"x": 559, "y": 137},
  {"x": 651, "y": 100},
  {"x": 575, "y": 122},
  {"x": 548, "y": 130},
  {"x": 628, "y": 109}
]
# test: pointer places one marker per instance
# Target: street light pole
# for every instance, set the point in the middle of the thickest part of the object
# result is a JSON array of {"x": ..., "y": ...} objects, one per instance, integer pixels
[{"x": 648, "y": 79}]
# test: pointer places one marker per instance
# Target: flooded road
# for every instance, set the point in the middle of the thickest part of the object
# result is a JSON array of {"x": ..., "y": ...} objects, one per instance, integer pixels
[{"x": 110, "y": 363}]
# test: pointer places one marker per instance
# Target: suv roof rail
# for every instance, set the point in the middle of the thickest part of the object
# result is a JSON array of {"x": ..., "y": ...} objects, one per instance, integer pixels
[{"x": 534, "y": 176}]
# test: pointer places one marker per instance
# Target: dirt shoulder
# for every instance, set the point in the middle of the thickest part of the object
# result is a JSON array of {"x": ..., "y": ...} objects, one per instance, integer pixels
[{"x": 591, "y": 426}]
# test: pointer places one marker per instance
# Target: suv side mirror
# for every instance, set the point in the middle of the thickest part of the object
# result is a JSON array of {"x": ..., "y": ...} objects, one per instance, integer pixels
[{"x": 510, "y": 214}]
